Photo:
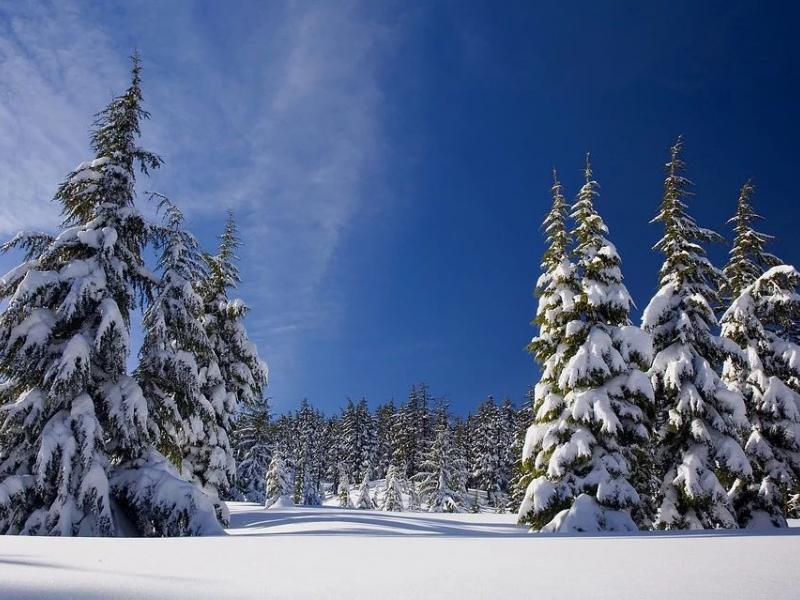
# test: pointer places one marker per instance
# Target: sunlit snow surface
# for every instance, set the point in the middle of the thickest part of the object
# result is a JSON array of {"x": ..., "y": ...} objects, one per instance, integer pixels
[{"x": 347, "y": 553}]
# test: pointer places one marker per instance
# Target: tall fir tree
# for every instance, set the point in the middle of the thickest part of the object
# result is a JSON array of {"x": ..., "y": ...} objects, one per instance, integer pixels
[
  {"x": 748, "y": 259},
  {"x": 175, "y": 342},
  {"x": 279, "y": 484},
  {"x": 75, "y": 446},
  {"x": 393, "y": 490},
  {"x": 584, "y": 467},
  {"x": 764, "y": 306},
  {"x": 557, "y": 290},
  {"x": 486, "y": 451},
  {"x": 234, "y": 377},
  {"x": 309, "y": 455},
  {"x": 363, "y": 499},
  {"x": 521, "y": 473},
  {"x": 252, "y": 445},
  {"x": 442, "y": 480},
  {"x": 698, "y": 418},
  {"x": 343, "y": 488},
  {"x": 384, "y": 418},
  {"x": 413, "y": 430}
]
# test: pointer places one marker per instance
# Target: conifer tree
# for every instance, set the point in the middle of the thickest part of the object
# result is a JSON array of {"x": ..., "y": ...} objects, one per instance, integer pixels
[
  {"x": 252, "y": 442},
  {"x": 363, "y": 499},
  {"x": 748, "y": 259},
  {"x": 521, "y": 473},
  {"x": 233, "y": 377},
  {"x": 385, "y": 415},
  {"x": 698, "y": 418},
  {"x": 309, "y": 455},
  {"x": 175, "y": 342},
  {"x": 413, "y": 430},
  {"x": 508, "y": 452},
  {"x": 392, "y": 490},
  {"x": 583, "y": 469},
  {"x": 279, "y": 485},
  {"x": 343, "y": 489},
  {"x": 442, "y": 479},
  {"x": 557, "y": 290},
  {"x": 486, "y": 450},
  {"x": 74, "y": 435},
  {"x": 765, "y": 306}
]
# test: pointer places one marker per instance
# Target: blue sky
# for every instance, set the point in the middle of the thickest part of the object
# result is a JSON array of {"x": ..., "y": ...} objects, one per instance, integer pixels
[{"x": 389, "y": 163}]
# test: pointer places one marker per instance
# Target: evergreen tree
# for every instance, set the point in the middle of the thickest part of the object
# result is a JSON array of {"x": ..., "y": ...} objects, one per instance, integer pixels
[
  {"x": 308, "y": 459},
  {"x": 393, "y": 490},
  {"x": 75, "y": 439},
  {"x": 363, "y": 499},
  {"x": 359, "y": 438},
  {"x": 583, "y": 469},
  {"x": 175, "y": 343},
  {"x": 508, "y": 452},
  {"x": 755, "y": 321},
  {"x": 748, "y": 259},
  {"x": 279, "y": 484},
  {"x": 385, "y": 415},
  {"x": 698, "y": 418},
  {"x": 252, "y": 444},
  {"x": 334, "y": 453},
  {"x": 486, "y": 451},
  {"x": 412, "y": 431},
  {"x": 521, "y": 473},
  {"x": 557, "y": 290},
  {"x": 343, "y": 490},
  {"x": 443, "y": 476},
  {"x": 233, "y": 377}
]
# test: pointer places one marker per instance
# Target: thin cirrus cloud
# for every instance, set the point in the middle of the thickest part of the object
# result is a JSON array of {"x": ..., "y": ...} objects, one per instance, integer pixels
[
  {"x": 52, "y": 79},
  {"x": 275, "y": 115}
]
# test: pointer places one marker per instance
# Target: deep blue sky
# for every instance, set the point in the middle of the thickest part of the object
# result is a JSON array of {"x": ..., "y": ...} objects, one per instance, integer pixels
[{"x": 390, "y": 162}]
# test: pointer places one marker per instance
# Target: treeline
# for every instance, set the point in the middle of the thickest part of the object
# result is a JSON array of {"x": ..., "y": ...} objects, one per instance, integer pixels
[
  {"x": 322, "y": 455},
  {"x": 690, "y": 421}
]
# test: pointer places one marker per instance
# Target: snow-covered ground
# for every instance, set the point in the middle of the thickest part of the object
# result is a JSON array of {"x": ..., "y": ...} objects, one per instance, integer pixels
[{"x": 327, "y": 552}]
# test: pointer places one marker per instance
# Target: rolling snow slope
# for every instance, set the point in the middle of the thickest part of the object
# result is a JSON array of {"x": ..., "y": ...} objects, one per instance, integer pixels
[{"x": 318, "y": 553}]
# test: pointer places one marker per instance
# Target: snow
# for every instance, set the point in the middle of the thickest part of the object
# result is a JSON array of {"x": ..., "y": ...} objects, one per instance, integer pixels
[{"x": 313, "y": 553}]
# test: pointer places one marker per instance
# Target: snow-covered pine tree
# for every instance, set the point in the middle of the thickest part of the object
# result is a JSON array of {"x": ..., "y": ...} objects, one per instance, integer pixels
[
  {"x": 279, "y": 484},
  {"x": 333, "y": 451},
  {"x": 363, "y": 499},
  {"x": 393, "y": 490},
  {"x": 763, "y": 307},
  {"x": 368, "y": 439},
  {"x": 507, "y": 428},
  {"x": 521, "y": 474},
  {"x": 442, "y": 480},
  {"x": 412, "y": 431},
  {"x": 175, "y": 342},
  {"x": 486, "y": 450},
  {"x": 234, "y": 377},
  {"x": 385, "y": 415},
  {"x": 698, "y": 418},
  {"x": 309, "y": 457},
  {"x": 748, "y": 259},
  {"x": 343, "y": 489},
  {"x": 252, "y": 444},
  {"x": 557, "y": 289},
  {"x": 75, "y": 449},
  {"x": 584, "y": 465},
  {"x": 359, "y": 438}
]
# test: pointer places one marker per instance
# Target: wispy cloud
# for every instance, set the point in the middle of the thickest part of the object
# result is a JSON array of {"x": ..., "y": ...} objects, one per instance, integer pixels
[
  {"x": 275, "y": 113},
  {"x": 54, "y": 74}
]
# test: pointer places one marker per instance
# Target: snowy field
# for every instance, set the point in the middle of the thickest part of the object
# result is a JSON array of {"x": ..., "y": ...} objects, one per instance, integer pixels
[{"x": 339, "y": 553}]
